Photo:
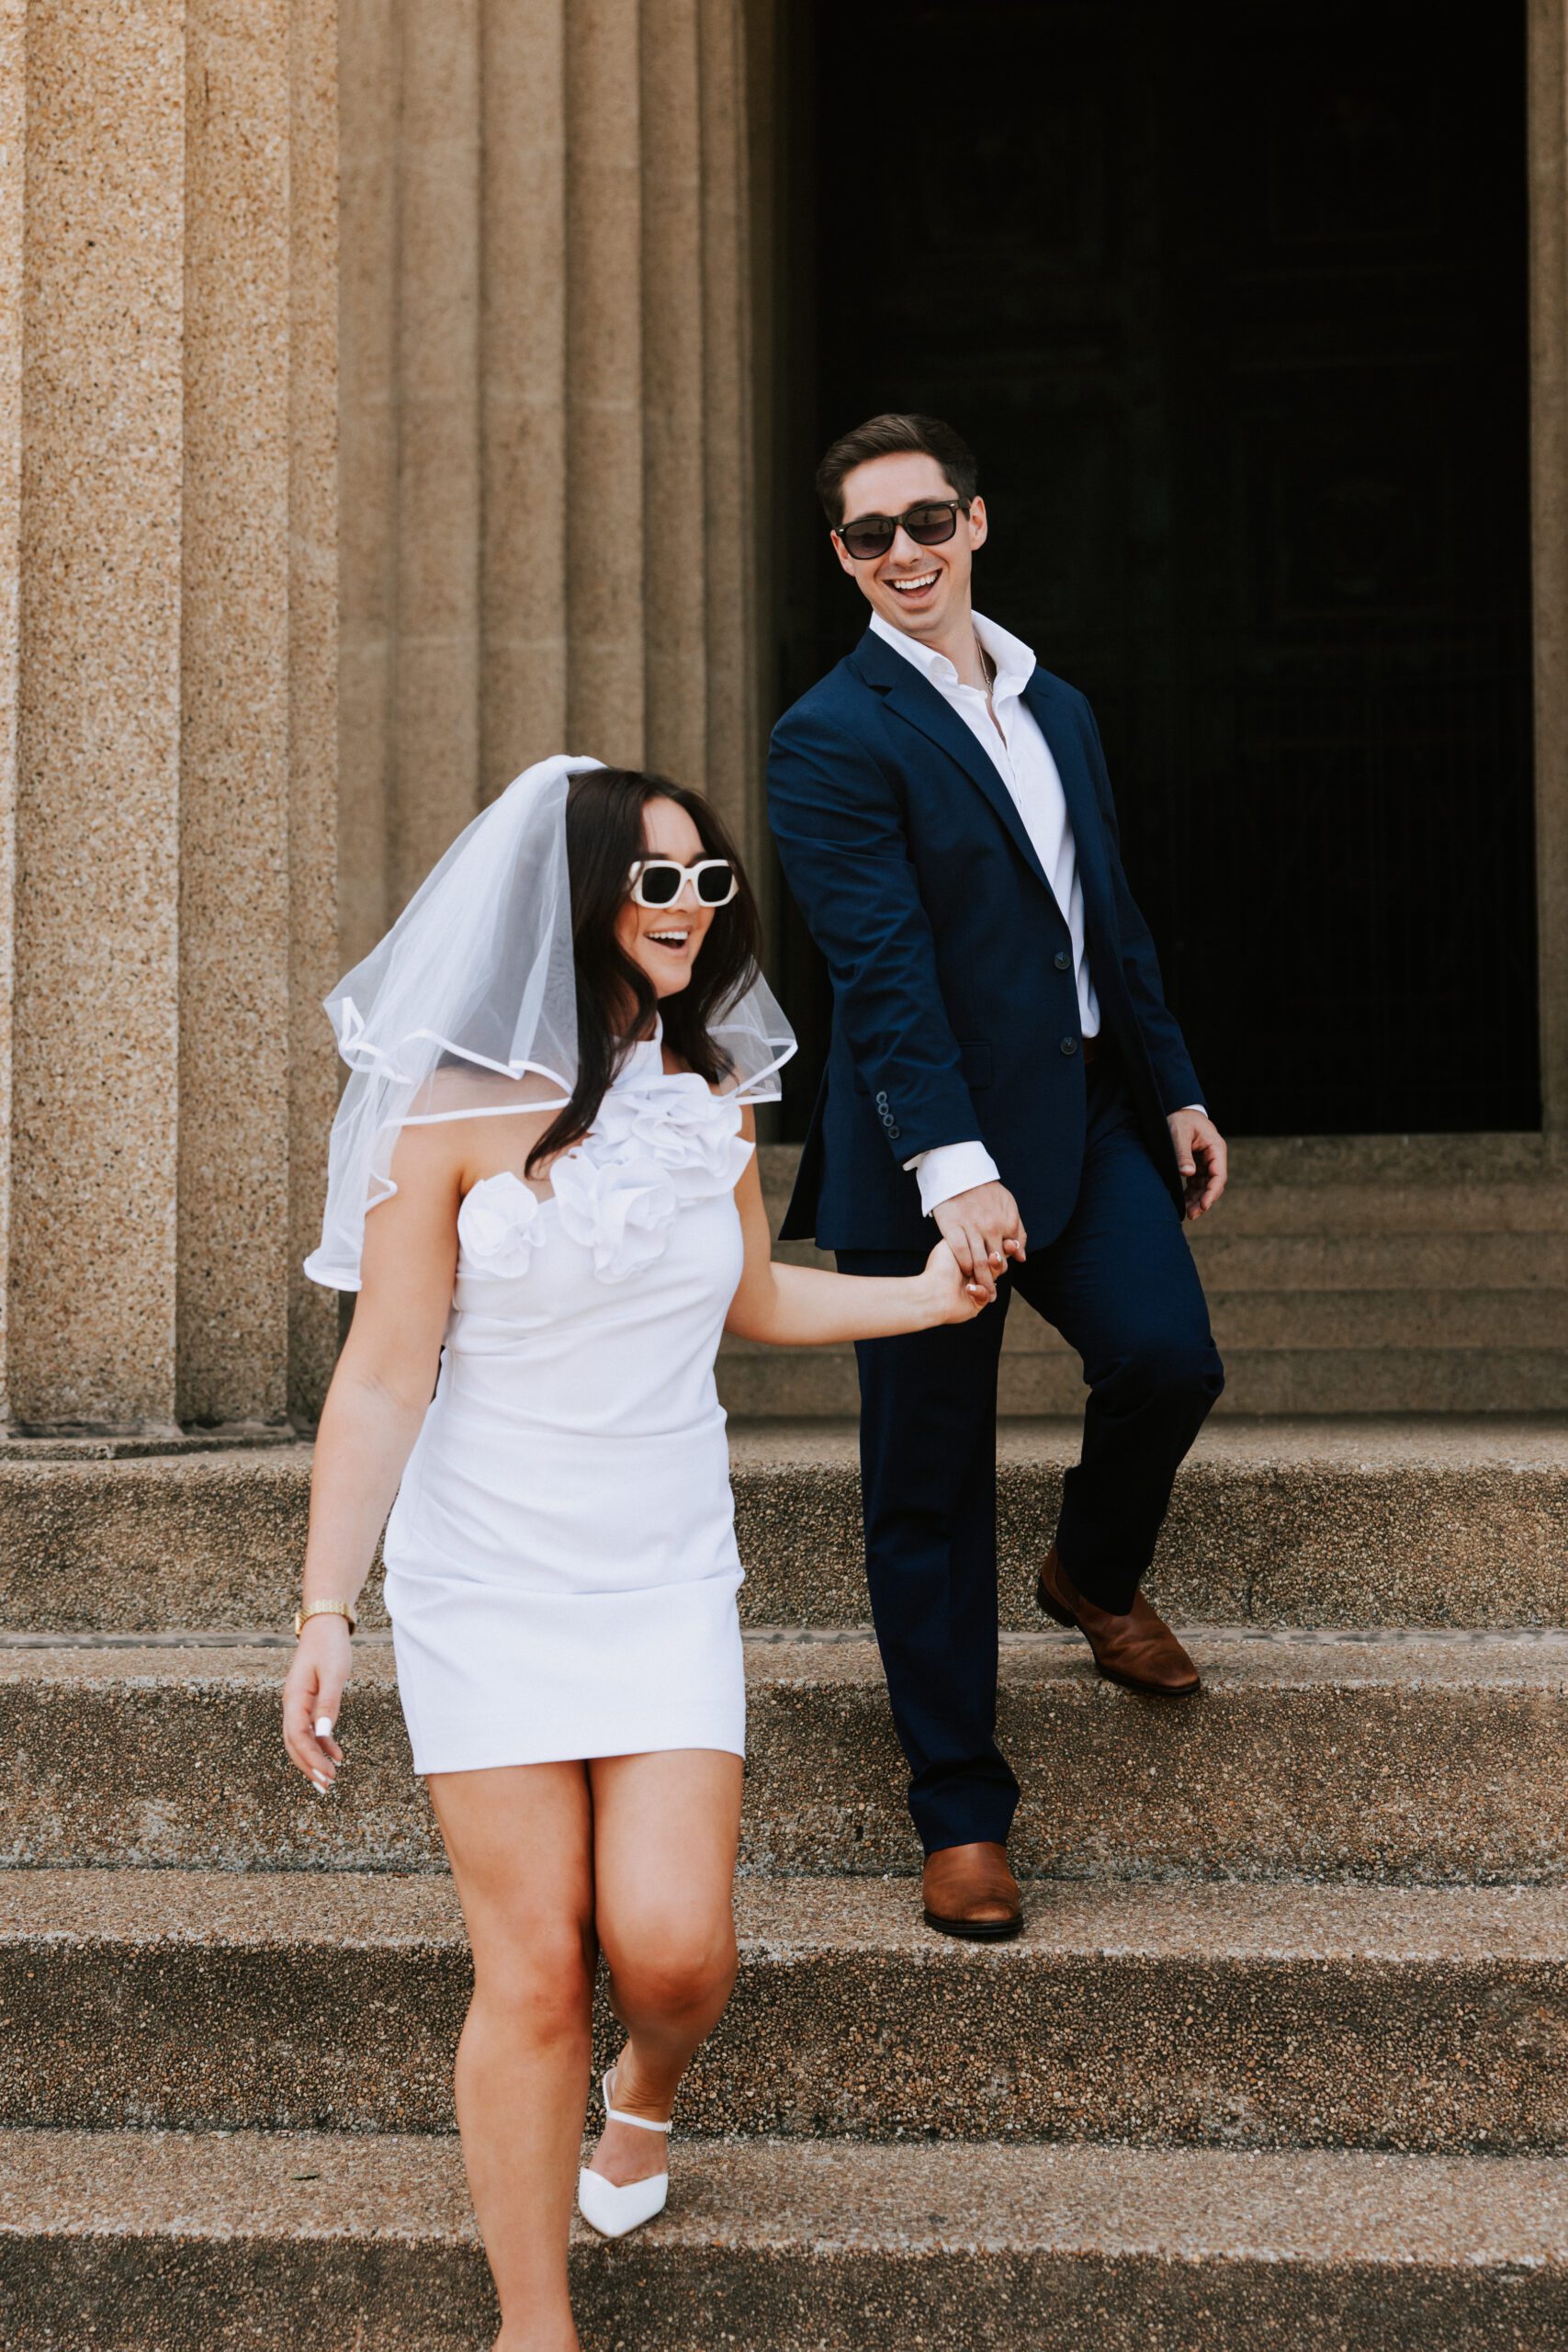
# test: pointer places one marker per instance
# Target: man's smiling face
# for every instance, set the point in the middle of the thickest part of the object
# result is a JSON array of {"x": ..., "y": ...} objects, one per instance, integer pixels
[{"x": 919, "y": 590}]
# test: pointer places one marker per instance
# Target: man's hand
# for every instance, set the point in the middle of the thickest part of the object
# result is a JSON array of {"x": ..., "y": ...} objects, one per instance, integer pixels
[
  {"x": 1202, "y": 1158},
  {"x": 984, "y": 1231}
]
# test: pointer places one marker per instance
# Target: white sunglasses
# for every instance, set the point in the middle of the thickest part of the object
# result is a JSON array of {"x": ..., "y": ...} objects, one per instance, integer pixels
[{"x": 659, "y": 881}]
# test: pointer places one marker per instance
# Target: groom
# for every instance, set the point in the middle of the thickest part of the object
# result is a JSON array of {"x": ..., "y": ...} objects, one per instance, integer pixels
[{"x": 1003, "y": 1065}]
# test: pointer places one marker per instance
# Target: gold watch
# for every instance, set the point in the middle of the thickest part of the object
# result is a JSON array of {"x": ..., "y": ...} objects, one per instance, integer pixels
[{"x": 324, "y": 1608}]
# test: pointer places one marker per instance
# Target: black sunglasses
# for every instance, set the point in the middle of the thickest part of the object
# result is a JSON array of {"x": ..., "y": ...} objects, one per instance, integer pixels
[{"x": 929, "y": 524}]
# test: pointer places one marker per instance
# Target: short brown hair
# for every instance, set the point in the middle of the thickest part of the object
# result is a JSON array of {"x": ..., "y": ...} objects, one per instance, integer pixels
[{"x": 896, "y": 435}]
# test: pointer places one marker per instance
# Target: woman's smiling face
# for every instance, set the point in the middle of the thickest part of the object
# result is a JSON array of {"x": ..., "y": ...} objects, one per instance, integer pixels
[{"x": 663, "y": 941}]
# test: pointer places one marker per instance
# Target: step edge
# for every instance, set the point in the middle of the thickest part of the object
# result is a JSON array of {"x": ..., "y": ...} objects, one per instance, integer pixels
[{"x": 1330, "y": 2207}]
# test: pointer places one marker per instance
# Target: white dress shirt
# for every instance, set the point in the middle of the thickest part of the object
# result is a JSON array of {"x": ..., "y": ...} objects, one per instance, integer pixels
[{"x": 1017, "y": 750}]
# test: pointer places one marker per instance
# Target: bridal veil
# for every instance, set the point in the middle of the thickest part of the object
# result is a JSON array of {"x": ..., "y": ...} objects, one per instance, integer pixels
[{"x": 476, "y": 975}]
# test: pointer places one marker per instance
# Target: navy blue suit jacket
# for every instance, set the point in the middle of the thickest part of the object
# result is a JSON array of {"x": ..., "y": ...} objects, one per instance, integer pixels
[{"x": 954, "y": 994}]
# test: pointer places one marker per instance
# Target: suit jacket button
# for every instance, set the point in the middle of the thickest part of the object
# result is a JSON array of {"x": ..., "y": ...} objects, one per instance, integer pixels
[
  {"x": 1063, "y": 959},
  {"x": 1069, "y": 1045}
]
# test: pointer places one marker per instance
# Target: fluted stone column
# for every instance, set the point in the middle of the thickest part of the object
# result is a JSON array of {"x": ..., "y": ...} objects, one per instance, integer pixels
[
  {"x": 13, "y": 130},
  {"x": 545, "y": 290},
  {"x": 169, "y": 551}
]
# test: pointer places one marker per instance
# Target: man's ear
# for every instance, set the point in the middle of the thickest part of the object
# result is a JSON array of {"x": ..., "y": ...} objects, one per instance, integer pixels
[
  {"x": 844, "y": 564},
  {"x": 978, "y": 527}
]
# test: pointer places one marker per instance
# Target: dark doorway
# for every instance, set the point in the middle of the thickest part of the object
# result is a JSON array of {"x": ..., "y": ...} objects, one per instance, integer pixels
[{"x": 1232, "y": 302}]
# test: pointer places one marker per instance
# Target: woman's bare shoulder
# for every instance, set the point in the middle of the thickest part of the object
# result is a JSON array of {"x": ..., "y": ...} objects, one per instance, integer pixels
[{"x": 468, "y": 1124}]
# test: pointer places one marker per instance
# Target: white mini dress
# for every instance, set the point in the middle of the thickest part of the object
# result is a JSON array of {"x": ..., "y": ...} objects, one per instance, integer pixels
[{"x": 561, "y": 1570}]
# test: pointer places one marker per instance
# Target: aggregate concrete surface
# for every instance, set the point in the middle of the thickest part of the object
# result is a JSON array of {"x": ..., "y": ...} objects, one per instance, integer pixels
[
  {"x": 1265, "y": 2015},
  {"x": 159, "y": 2240},
  {"x": 1275, "y": 2064},
  {"x": 1418, "y": 1756},
  {"x": 1336, "y": 1522}
]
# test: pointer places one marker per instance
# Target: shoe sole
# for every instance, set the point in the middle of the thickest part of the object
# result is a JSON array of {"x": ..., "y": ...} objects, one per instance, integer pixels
[
  {"x": 1147, "y": 1690},
  {"x": 1051, "y": 1607},
  {"x": 977, "y": 1931}
]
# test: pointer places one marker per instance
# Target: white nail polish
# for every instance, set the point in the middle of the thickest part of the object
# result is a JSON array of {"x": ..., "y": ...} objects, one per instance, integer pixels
[{"x": 323, "y": 1727}]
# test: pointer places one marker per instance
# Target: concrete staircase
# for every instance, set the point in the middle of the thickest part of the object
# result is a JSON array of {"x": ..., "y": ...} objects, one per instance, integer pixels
[
  {"x": 1282, "y": 2060},
  {"x": 1382, "y": 1274}
]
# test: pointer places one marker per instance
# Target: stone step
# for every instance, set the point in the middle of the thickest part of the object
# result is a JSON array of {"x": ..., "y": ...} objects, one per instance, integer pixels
[
  {"x": 1425, "y": 2019},
  {"x": 160, "y": 2241},
  {"x": 1423, "y": 1757},
  {"x": 1396, "y": 1522},
  {"x": 1276, "y": 1204},
  {"x": 1429, "y": 1280},
  {"x": 1428, "y": 1259},
  {"x": 1045, "y": 1380},
  {"x": 1308, "y": 1322},
  {"x": 1260, "y": 1257},
  {"x": 1347, "y": 1185}
]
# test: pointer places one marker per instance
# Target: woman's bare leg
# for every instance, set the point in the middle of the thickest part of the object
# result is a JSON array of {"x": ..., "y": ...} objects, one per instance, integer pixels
[
  {"x": 665, "y": 1831},
  {"x": 521, "y": 1843}
]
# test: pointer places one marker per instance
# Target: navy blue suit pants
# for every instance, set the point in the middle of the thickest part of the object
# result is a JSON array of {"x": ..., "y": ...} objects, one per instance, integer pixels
[{"x": 1119, "y": 1283}]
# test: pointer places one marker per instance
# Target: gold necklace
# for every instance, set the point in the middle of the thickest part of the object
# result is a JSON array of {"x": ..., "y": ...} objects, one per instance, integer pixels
[{"x": 988, "y": 675}]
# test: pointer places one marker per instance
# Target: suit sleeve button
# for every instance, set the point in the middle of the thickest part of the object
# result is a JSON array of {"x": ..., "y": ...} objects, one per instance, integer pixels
[
  {"x": 1069, "y": 1045},
  {"x": 1063, "y": 959},
  {"x": 895, "y": 1133}
]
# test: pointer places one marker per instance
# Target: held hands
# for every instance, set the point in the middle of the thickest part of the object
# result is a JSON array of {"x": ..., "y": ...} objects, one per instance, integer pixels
[
  {"x": 983, "y": 1229},
  {"x": 312, "y": 1695},
  {"x": 1201, "y": 1156},
  {"x": 947, "y": 1297}
]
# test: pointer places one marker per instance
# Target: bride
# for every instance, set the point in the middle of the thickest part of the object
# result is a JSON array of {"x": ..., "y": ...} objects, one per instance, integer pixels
[{"x": 543, "y": 1186}]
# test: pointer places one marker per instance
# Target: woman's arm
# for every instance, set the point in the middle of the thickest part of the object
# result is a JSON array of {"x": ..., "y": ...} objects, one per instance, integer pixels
[
  {"x": 804, "y": 1306},
  {"x": 372, "y": 1416}
]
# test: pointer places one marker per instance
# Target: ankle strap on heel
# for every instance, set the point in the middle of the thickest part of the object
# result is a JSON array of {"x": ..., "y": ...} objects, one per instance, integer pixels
[{"x": 619, "y": 2115}]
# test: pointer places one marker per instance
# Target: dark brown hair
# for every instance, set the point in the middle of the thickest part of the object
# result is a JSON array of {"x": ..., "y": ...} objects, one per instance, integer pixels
[
  {"x": 896, "y": 435},
  {"x": 616, "y": 999}
]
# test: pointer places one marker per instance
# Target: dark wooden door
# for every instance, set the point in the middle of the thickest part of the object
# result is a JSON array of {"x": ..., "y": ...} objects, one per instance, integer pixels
[{"x": 1231, "y": 300}]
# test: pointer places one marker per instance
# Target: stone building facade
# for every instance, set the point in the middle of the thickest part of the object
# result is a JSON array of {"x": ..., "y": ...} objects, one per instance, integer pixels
[{"x": 387, "y": 392}]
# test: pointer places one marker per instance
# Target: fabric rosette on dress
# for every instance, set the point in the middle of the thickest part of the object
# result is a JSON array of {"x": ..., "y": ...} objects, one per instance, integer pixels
[
  {"x": 679, "y": 1123},
  {"x": 500, "y": 1225},
  {"x": 660, "y": 1144},
  {"x": 620, "y": 1210}
]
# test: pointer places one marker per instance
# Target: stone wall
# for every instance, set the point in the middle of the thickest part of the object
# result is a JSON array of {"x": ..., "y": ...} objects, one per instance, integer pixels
[{"x": 168, "y": 522}]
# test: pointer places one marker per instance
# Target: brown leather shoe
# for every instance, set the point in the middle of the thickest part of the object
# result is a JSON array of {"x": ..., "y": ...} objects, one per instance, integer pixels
[
  {"x": 1138, "y": 1650},
  {"x": 969, "y": 1891}
]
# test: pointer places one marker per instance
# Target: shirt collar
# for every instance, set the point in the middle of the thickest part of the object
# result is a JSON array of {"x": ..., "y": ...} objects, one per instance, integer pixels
[{"x": 1014, "y": 660}]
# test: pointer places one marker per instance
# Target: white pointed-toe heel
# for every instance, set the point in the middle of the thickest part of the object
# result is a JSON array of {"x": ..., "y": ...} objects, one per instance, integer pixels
[{"x": 611, "y": 2210}]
